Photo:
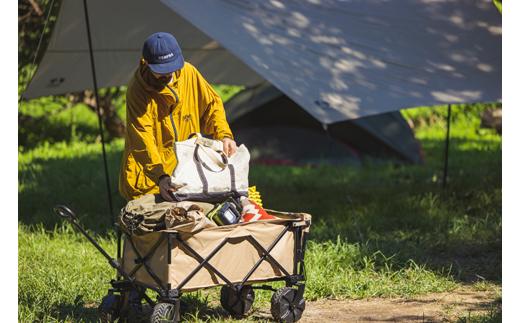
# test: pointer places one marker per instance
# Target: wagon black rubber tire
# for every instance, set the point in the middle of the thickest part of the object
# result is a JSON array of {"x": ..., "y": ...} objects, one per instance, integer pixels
[
  {"x": 286, "y": 306},
  {"x": 132, "y": 310},
  {"x": 108, "y": 310},
  {"x": 237, "y": 304},
  {"x": 164, "y": 313}
]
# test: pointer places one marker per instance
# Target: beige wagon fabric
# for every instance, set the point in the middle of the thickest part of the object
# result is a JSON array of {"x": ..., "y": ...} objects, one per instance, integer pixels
[{"x": 234, "y": 260}]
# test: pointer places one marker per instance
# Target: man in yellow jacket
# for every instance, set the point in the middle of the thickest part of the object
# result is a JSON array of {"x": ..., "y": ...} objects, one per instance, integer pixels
[{"x": 166, "y": 101}]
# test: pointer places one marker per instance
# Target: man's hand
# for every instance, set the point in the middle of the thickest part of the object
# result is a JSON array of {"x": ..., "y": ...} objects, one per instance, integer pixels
[
  {"x": 230, "y": 146},
  {"x": 166, "y": 189}
]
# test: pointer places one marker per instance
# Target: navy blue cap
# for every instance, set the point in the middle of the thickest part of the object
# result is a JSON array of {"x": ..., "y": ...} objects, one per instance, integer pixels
[{"x": 162, "y": 53}]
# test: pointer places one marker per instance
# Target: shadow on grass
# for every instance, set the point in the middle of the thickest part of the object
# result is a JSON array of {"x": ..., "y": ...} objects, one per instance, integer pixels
[
  {"x": 76, "y": 313},
  {"x": 193, "y": 306},
  {"x": 76, "y": 182},
  {"x": 63, "y": 312}
]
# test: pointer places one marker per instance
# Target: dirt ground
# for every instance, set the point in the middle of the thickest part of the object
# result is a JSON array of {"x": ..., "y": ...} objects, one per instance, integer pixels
[{"x": 441, "y": 307}]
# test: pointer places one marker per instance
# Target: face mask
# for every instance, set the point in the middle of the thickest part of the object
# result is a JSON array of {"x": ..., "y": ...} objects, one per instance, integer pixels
[
  {"x": 164, "y": 80},
  {"x": 156, "y": 83}
]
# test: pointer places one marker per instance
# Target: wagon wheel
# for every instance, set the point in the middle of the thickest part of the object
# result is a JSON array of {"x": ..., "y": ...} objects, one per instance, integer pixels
[
  {"x": 286, "y": 305},
  {"x": 108, "y": 310},
  {"x": 132, "y": 308},
  {"x": 164, "y": 313},
  {"x": 236, "y": 303}
]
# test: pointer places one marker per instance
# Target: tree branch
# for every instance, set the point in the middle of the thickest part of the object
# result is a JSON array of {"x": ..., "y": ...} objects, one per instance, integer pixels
[{"x": 36, "y": 7}]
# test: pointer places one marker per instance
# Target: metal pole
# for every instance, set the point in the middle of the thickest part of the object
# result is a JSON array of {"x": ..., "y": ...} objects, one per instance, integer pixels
[
  {"x": 100, "y": 123},
  {"x": 446, "y": 147}
]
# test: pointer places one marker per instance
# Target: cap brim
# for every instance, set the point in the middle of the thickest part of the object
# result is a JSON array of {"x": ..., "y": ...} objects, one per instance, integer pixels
[{"x": 169, "y": 67}]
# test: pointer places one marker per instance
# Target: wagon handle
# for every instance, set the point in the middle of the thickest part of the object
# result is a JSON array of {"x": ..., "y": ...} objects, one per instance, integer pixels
[
  {"x": 69, "y": 215},
  {"x": 65, "y": 212}
]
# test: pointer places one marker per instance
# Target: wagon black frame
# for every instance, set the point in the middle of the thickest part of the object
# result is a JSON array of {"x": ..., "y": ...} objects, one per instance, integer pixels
[{"x": 126, "y": 281}]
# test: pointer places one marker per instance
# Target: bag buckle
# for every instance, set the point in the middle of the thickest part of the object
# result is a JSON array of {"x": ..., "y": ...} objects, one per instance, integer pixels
[{"x": 206, "y": 142}]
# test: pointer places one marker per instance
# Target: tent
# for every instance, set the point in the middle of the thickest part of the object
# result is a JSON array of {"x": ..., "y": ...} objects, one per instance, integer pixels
[
  {"x": 338, "y": 60},
  {"x": 278, "y": 131},
  {"x": 118, "y": 29}
]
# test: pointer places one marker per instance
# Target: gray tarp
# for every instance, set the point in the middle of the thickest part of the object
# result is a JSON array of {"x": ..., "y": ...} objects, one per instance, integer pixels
[
  {"x": 339, "y": 60},
  {"x": 118, "y": 29},
  {"x": 293, "y": 131},
  {"x": 345, "y": 59}
]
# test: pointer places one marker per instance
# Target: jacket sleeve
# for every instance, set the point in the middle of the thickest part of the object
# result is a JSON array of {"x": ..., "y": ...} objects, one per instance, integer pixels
[
  {"x": 211, "y": 109},
  {"x": 141, "y": 138}
]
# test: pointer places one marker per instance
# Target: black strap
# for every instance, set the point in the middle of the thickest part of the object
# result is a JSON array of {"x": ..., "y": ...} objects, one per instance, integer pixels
[
  {"x": 233, "y": 179},
  {"x": 198, "y": 163},
  {"x": 198, "y": 159}
]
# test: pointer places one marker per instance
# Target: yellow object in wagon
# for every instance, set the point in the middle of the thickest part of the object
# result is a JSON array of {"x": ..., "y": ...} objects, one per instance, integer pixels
[{"x": 254, "y": 195}]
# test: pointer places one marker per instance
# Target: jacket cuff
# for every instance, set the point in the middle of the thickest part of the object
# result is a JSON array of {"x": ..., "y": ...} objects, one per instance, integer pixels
[
  {"x": 224, "y": 134},
  {"x": 160, "y": 177},
  {"x": 155, "y": 173}
]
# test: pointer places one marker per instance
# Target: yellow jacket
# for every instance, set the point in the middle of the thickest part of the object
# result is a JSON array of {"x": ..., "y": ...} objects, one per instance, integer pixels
[{"x": 194, "y": 107}]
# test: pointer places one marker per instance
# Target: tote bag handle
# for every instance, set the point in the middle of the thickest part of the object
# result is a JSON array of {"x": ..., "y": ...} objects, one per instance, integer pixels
[{"x": 222, "y": 164}]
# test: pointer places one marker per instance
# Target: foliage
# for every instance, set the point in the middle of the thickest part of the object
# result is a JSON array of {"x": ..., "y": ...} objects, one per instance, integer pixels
[
  {"x": 498, "y": 4},
  {"x": 468, "y": 114},
  {"x": 52, "y": 120},
  {"x": 227, "y": 91},
  {"x": 32, "y": 28}
]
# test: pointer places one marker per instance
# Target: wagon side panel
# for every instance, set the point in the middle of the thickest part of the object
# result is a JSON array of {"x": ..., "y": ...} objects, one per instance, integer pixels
[{"x": 237, "y": 256}]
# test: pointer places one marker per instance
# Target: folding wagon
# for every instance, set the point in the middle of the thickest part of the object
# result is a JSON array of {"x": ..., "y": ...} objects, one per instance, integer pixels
[{"x": 237, "y": 257}]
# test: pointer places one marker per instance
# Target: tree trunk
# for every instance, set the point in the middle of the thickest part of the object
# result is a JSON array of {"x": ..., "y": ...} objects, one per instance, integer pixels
[
  {"x": 113, "y": 124},
  {"x": 492, "y": 119}
]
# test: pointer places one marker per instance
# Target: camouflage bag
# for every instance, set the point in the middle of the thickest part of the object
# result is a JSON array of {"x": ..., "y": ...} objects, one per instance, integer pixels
[{"x": 150, "y": 213}]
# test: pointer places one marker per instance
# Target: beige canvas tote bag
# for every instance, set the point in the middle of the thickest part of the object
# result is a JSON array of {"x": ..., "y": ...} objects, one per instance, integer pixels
[{"x": 205, "y": 173}]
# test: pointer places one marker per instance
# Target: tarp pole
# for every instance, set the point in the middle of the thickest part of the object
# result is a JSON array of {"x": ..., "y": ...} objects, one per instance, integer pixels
[
  {"x": 100, "y": 123},
  {"x": 446, "y": 147}
]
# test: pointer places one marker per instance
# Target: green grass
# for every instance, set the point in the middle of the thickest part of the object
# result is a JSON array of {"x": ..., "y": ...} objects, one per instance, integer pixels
[
  {"x": 378, "y": 230},
  {"x": 60, "y": 276},
  {"x": 343, "y": 270},
  {"x": 70, "y": 174},
  {"x": 493, "y": 316}
]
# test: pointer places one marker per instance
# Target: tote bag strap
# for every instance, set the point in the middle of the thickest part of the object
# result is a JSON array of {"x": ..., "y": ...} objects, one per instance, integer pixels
[
  {"x": 221, "y": 163},
  {"x": 208, "y": 147}
]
